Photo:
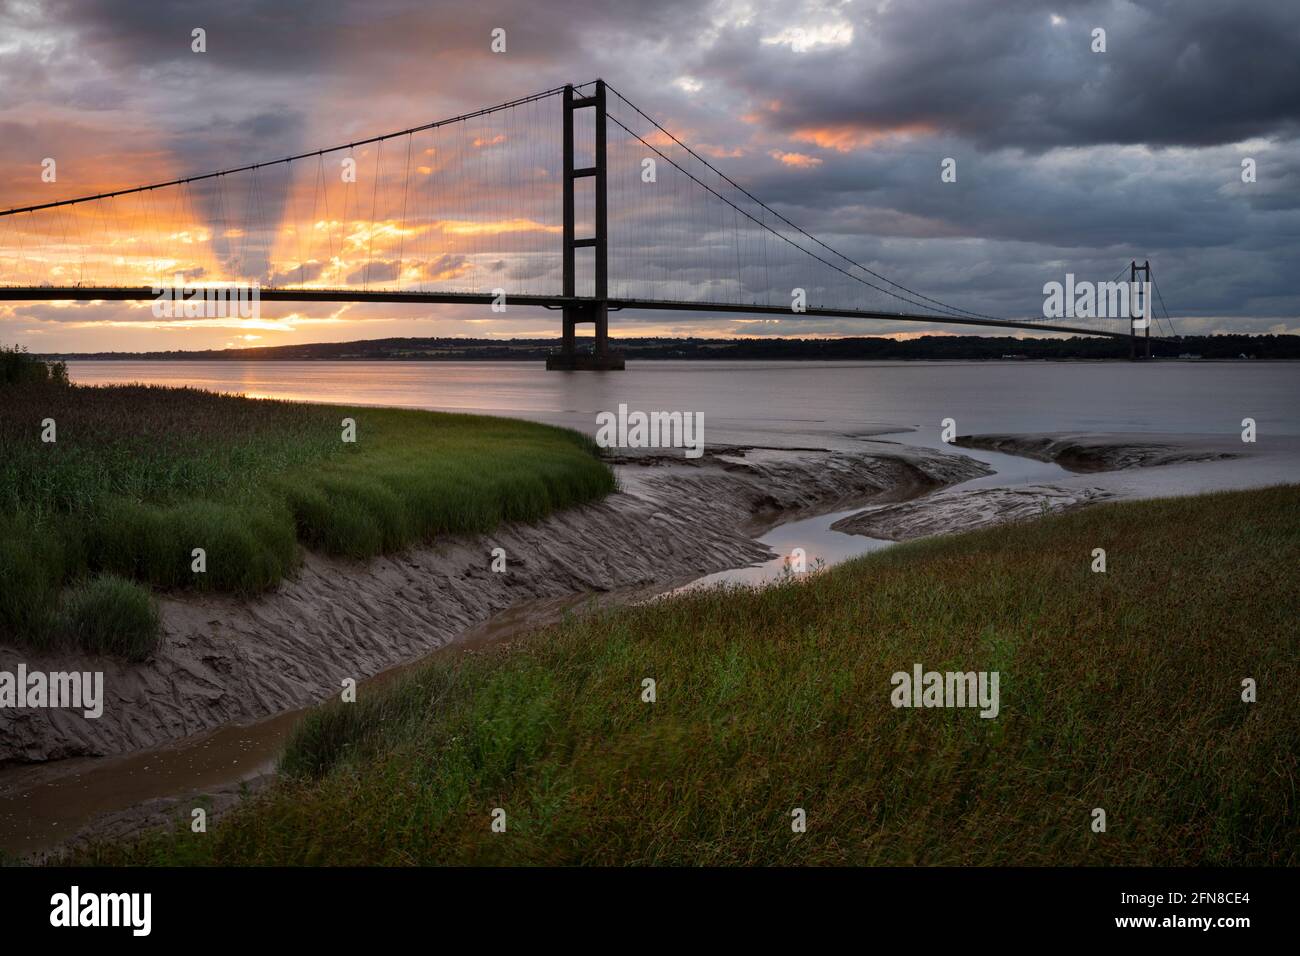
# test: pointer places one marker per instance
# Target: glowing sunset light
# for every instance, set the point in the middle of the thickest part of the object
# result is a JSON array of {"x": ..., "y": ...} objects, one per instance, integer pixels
[
  {"x": 467, "y": 228},
  {"x": 846, "y": 138}
]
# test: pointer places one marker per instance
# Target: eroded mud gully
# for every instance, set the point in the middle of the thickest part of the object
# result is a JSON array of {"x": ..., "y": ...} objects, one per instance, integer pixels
[{"x": 224, "y": 661}]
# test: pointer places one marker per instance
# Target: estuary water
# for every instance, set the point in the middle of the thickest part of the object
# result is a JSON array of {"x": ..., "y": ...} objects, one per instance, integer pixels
[{"x": 788, "y": 402}]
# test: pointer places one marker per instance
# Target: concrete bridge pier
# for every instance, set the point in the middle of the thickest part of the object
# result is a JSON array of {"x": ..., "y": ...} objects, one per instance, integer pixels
[{"x": 602, "y": 357}]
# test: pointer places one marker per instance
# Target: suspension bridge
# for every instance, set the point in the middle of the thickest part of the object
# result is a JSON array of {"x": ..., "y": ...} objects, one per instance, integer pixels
[{"x": 571, "y": 199}]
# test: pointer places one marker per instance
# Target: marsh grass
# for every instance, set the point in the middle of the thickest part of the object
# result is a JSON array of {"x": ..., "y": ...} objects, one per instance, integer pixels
[
  {"x": 110, "y": 615},
  {"x": 1119, "y": 690},
  {"x": 142, "y": 475}
]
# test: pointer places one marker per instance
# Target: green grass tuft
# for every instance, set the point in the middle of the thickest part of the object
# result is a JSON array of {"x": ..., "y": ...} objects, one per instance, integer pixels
[{"x": 111, "y": 615}]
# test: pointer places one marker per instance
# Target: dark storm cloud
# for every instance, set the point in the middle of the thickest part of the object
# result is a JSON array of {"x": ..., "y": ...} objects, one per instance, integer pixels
[
  {"x": 310, "y": 37},
  {"x": 225, "y": 140},
  {"x": 1277, "y": 186},
  {"x": 1175, "y": 72},
  {"x": 144, "y": 37}
]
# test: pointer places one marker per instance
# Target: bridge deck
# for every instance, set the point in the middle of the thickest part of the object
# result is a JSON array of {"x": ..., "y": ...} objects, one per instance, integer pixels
[{"x": 119, "y": 294}]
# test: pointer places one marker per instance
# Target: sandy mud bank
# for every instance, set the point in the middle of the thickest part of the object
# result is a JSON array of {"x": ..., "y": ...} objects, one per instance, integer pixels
[
  {"x": 1092, "y": 453},
  {"x": 1101, "y": 467},
  {"x": 942, "y": 513}
]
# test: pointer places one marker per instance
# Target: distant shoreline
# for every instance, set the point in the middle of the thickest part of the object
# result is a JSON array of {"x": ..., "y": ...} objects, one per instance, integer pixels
[
  {"x": 928, "y": 348},
  {"x": 118, "y": 357}
]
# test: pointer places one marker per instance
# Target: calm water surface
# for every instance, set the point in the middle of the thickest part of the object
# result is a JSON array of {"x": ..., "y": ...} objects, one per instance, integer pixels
[{"x": 786, "y": 401}]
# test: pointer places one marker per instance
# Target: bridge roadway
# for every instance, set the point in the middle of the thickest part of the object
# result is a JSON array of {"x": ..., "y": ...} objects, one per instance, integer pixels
[{"x": 144, "y": 293}]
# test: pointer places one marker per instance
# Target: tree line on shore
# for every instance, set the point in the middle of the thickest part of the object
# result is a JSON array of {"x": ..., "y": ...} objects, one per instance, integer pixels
[{"x": 926, "y": 347}]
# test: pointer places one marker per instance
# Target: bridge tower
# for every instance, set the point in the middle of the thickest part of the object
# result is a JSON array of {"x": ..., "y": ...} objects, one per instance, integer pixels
[
  {"x": 595, "y": 309},
  {"x": 1146, "y": 310}
]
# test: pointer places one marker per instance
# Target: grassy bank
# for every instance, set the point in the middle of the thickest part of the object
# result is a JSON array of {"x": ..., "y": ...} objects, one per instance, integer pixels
[
  {"x": 1119, "y": 690},
  {"x": 137, "y": 477}
]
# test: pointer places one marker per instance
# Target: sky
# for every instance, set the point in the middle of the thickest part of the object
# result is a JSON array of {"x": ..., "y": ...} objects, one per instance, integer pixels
[{"x": 838, "y": 115}]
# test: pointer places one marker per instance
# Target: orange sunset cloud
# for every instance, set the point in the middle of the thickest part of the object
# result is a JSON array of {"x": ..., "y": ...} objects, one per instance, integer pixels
[{"x": 846, "y": 138}]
